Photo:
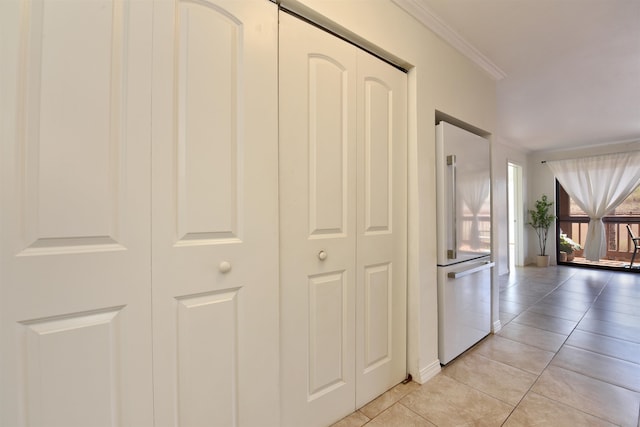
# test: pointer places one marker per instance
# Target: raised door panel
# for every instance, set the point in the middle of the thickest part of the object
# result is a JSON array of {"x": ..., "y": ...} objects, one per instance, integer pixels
[
  {"x": 327, "y": 334},
  {"x": 208, "y": 78},
  {"x": 207, "y": 326},
  {"x": 382, "y": 229},
  {"x": 72, "y": 369},
  {"x": 317, "y": 224},
  {"x": 327, "y": 147},
  {"x": 378, "y": 155},
  {"x": 75, "y": 253},
  {"x": 378, "y": 316},
  {"x": 215, "y": 289},
  {"x": 80, "y": 137}
]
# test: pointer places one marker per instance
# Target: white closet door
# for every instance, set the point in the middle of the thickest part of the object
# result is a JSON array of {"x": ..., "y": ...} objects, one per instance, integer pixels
[
  {"x": 317, "y": 224},
  {"x": 215, "y": 241},
  {"x": 75, "y": 249},
  {"x": 343, "y": 225},
  {"x": 382, "y": 228}
]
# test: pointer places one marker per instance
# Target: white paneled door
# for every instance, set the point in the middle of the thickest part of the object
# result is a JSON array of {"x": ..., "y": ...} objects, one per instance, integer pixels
[
  {"x": 343, "y": 225},
  {"x": 75, "y": 260},
  {"x": 381, "y": 264},
  {"x": 215, "y": 240},
  {"x": 139, "y": 248}
]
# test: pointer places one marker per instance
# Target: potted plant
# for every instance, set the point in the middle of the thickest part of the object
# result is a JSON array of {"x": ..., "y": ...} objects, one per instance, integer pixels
[
  {"x": 541, "y": 220},
  {"x": 567, "y": 246}
]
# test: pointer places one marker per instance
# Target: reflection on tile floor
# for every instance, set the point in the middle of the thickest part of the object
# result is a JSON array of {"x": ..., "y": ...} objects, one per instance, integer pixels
[{"x": 568, "y": 354}]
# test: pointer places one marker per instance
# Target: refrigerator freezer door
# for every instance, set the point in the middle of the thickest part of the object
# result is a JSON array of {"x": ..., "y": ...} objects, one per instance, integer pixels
[
  {"x": 463, "y": 171},
  {"x": 464, "y": 306}
]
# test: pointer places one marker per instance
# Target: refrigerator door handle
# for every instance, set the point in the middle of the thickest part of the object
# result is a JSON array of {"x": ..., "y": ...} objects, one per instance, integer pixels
[
  {"x": 451, "y": 253},
  {"x": 472, "y": 270}
]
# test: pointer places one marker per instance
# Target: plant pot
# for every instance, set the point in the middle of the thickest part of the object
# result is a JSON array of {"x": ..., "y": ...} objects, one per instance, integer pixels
[
  {"x": 570, "y": 257},
  {"x": 563, "y": 256},
  {"x": 543, "y": 261}
]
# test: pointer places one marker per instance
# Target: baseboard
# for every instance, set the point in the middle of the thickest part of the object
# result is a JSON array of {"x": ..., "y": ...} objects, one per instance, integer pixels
[
  {"x": 496, "y": 326},
  {"x": 429, "y": 372}
]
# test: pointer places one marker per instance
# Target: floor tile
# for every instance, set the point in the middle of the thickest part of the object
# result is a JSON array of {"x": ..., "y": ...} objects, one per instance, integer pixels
[
  {"x": 519, "y": 298},
  {"x": 512, "y": 307},
  {"x": 609, "y": 369},
  {"x": 555, "y": 311},
  {"x": 614, "y": 317},
  {"x": 356, "y": 419},
  {"x": 530, "y": 291},
  {"x": 624, "y": 299},
  {"x": 507, "y": 280},
  {"x": 562, "y": 300},
  {"x": 623, "y": 284},
  {"x": 447, "y": 402},
  {"x": 621, "y": 349},
  {"x": 615, "y": 330},
  {"x": 618, "y": 307},
  {"x": 386, "y": 400},
  {"x": 598, "y": 398},
  {"x": 496, "y": 379},
  {"x": 399, "y": 416},
  {"x": 576, "y": 296},
  {"x": 548, "y": 323},
  {"x": 507, "y": 317},
  {"x": 537, "y": 410},
  {"x": 583, "y": 287},
  {"x": 516, "y": 354},
  {"x": 536, "y": 337}
]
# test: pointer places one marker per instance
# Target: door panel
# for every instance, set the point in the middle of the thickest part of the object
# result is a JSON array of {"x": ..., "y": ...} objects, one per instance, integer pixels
[
  {"x": 208, "y": 109},
  {"x": 377, "y": 316},
  {"x": 343, "y": 225},
  {"x": 317, "y": 224},
  {"x": 80, "y": 137},
  {"x": 207, "y": 326},
  {"x": 326, "y": 333},
  {"x": 215, "y": 260},
  {"x": 382, "y": 228},
  {"x": 75, "y": 275},
  {"x": 66, "y": 386},
  {"x": 328, "y": 147}
]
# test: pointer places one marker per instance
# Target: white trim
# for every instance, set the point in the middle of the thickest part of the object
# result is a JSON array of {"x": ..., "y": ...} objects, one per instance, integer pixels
[
  {"x": 497, "y": 326},
  {"x": 429, "y": 19},
  {"x": 428, "y": 372}
]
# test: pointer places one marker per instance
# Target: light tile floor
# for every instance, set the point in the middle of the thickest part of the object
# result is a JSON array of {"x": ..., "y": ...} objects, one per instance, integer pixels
[{"x": 568, "y": 354}]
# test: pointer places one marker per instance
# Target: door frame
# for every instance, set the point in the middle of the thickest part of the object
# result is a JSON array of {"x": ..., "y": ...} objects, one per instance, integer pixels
[{"x": 515, "y": 214}]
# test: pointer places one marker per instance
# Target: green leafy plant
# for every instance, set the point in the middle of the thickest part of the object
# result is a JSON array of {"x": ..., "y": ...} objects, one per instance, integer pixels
[
  {"x": 541, "y": 220},
  {"x": 567, "y": 245}
]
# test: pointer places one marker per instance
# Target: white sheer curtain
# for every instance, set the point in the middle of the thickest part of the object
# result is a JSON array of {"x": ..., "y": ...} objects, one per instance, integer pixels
[
  {"x": 598, "y": 184},
  {"x": 475, "y": 191}
]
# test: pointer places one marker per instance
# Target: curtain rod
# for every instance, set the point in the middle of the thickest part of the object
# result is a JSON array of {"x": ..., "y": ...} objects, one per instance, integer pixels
[{"x": 596, "y": 155}]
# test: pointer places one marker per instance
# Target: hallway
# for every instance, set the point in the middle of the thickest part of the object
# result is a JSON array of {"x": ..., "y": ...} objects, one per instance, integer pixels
[{"x": 568, "y": 354}]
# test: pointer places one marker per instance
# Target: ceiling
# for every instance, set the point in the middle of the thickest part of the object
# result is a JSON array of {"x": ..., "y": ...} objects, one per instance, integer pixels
[{"x": 567, "y": 71}]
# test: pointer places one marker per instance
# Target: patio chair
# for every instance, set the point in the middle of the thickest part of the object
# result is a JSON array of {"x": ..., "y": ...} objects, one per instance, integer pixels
[{"x": 636, "y": 245}]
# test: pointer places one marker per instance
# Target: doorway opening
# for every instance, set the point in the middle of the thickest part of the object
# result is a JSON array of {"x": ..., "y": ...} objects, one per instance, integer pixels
[{"x": 515, "y": 215}]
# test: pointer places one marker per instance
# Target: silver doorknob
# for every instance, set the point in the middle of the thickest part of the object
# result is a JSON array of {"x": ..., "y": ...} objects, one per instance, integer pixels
[
  {"x": 322, "y": 255},
  {"x": 224, "y": 267}
]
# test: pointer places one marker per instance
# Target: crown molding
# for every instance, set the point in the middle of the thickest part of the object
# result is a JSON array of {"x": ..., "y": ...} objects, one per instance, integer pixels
[{"x": 422, "y": 13}]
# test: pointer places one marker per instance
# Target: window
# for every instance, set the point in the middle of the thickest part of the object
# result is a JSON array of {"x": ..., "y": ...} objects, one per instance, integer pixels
[
  {"x": 573, "y": 222},
  {"x": 631, "y": 206}
]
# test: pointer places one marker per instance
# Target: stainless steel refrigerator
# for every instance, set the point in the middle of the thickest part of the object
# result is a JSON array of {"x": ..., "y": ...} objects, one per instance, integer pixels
[{"x": 463, "y": 175}]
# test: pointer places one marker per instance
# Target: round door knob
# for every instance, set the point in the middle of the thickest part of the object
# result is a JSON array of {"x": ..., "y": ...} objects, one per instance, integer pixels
[
  {"x": 224, "y": 267},
  {"x": 322, "y": 255}
]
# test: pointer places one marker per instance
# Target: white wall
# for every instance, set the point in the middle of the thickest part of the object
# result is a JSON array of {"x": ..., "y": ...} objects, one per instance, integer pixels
[
  {"x": 542, "y": 181},
  {"x": 441, "y": 79}
]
